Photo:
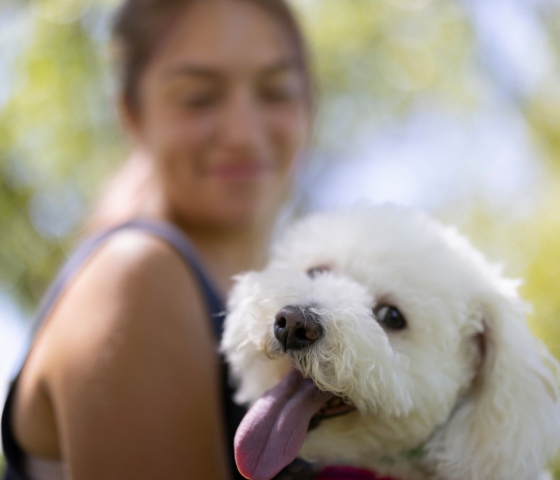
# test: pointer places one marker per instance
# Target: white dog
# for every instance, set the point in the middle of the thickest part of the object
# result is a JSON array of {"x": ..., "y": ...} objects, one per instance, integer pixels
[{"x": 415, "y": 359}]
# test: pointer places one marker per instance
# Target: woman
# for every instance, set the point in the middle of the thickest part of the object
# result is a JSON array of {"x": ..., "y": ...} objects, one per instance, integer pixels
[{"x": 124, "y": 380}]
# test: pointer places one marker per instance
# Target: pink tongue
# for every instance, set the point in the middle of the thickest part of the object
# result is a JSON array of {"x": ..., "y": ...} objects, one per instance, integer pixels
[{"x": 271, "y": 434}]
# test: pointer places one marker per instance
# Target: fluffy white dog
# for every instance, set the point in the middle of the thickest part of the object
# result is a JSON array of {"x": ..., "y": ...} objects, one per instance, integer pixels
[{"x": 412, "y": 356}]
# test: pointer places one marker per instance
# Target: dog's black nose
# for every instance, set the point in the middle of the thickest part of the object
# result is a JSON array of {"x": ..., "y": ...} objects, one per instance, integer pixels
[{"x": 297, "y": 327}]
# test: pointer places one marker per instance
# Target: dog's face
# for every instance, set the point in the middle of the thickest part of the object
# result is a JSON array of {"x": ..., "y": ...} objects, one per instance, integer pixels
[{"x": 399, "y": 317}]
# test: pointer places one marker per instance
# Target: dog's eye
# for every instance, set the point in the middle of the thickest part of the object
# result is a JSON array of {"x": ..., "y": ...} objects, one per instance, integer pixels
[
  {"x": 389, "y": 317},
  {"x": 314, "y": 271}
]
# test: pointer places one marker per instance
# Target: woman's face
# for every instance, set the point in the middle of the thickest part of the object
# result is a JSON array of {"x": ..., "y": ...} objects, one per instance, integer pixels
[{"x": 223, "y": 114}]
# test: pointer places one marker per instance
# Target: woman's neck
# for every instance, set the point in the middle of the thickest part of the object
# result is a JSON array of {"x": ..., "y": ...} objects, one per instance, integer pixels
[
  {"x": 225, "y": 250},
  {"x": 227, "y": 253}
]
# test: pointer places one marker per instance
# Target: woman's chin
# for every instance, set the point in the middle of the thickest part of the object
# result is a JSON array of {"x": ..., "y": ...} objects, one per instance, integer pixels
[
  {"x": 252, "y": 207},
  {"x": 244, "y": 216}
]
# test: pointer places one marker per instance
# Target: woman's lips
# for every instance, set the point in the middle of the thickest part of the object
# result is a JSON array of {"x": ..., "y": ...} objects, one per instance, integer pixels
[{"x": 240, "y": 171}]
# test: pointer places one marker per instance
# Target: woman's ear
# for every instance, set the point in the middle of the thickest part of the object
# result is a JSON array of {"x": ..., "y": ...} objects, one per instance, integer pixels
[{"x": 509, "y": 424}]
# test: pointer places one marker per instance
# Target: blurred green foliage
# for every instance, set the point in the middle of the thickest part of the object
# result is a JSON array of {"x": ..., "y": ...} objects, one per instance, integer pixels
[
  {"x": 58, "y": 137},
  {"x": 376, "y": 61}
]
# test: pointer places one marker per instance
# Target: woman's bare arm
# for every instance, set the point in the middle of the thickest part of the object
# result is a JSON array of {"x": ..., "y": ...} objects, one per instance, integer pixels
[{"x": 135, "y": 379}]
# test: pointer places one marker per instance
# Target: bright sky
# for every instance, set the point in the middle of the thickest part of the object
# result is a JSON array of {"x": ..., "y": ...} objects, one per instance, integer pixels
[
  {"x": 12, "y": 339},
  {"x": 433, "y": 159}
]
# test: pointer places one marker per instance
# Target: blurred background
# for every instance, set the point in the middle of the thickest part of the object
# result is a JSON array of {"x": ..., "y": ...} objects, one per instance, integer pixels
[{"x": 452, "y": 106}]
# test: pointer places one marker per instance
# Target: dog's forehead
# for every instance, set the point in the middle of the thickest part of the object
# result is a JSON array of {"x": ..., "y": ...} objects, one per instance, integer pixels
[
  {"x": 367, "y": 234},
  {"x": 389, "y": 241}
]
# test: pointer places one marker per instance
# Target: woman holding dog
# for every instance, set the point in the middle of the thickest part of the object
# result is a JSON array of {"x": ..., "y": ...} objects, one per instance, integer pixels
[{"x": 123, "y": 379}]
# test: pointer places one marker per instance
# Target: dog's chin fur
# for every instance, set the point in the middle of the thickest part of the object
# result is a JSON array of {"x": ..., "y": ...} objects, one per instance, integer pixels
[{"x": 462, "y": 393}]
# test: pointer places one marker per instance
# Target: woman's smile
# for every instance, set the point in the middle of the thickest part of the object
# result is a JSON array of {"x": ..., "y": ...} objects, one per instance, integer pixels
[{"x": 241, "y": 170}]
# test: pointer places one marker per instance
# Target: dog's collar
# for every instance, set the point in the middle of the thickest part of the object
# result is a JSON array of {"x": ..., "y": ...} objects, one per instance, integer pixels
[{"x": 349, "y": 473}]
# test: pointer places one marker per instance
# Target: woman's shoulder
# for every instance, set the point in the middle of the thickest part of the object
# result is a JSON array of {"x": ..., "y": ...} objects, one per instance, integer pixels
[
  {"x": 133, "y": 266},
  {"x": 119, "y": 358},
  {"x": 130, "y": 325},
  {"x": 135, "y": 288},
  {"x": 135, "y": 255}
]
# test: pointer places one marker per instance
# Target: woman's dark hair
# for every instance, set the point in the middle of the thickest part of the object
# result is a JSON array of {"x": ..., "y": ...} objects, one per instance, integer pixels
[{"x": 140, "y": 27}]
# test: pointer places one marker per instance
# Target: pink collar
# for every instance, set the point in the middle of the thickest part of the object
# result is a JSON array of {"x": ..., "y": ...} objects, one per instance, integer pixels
[{"x": 348, "y": 473}]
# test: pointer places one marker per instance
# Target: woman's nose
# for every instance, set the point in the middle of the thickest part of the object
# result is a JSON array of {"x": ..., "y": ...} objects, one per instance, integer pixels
[{"x": 242, "y": 126}]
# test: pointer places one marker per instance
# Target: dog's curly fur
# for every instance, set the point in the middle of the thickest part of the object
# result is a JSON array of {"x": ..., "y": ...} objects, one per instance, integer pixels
[{"x": 464, "y": 392}]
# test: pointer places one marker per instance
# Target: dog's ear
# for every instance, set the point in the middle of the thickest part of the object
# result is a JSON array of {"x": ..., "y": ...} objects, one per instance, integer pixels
[{"x": 508, "y": 425}]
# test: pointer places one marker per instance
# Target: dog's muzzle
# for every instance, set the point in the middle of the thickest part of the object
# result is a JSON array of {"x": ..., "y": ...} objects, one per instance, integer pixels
[{"x": 297, "y": 327}]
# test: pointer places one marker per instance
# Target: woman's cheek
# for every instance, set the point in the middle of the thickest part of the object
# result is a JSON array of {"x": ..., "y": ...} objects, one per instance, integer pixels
[
  {"x": 290, "y": 130},
  {"x": 187, "y": 140}
]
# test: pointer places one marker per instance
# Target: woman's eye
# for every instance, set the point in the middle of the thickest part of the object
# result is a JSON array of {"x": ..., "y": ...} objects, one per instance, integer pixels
[
  {"x": 199, "y": 101},
  {"x": 389, "y": 317},
  {"x": 315, "y": 271},
  {"x": 277, "y": 94}
]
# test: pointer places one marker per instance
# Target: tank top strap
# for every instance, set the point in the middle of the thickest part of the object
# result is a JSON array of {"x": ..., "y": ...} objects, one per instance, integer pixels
[
  {"x": 167, "y": 232},
  {"x": 181, "y": 243}
]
